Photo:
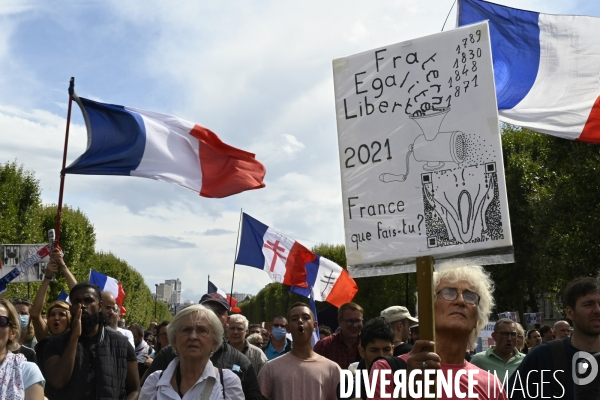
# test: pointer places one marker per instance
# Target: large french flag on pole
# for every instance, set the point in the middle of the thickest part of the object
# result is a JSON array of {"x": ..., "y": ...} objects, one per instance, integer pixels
[
  {"x": 128, "y": 141},
  {"x": 546, "y": 68},
  {"x": 288, "y": 262},
  {"x": 110, "y": 285}
]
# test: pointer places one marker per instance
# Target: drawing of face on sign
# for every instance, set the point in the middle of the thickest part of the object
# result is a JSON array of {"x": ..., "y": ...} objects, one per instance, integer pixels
[{"x": 462, "y": 205}]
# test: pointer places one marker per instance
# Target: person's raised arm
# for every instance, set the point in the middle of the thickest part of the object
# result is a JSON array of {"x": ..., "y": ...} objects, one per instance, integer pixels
[
  {"x": 71, "y": 281},
  {"x": 59, "y": 368},
  {"x": 38, "y": 322}
]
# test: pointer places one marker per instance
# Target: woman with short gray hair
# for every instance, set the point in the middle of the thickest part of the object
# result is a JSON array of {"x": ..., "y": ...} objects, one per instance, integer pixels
[
  {"x": 462, "y": 304},
  {"x": 195, "y": 333}
]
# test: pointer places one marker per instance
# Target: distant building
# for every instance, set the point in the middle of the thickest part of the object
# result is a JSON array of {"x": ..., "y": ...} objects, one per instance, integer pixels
[
  {"x": 163, "y": 293},
  {"x": 241, "y": 296},
  {"x": 175, "y": 296},
  {"x": 169, "y": 292}
]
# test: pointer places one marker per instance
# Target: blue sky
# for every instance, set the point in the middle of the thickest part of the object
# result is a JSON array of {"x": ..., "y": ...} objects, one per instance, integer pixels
[{"x": 258, "y": 73}]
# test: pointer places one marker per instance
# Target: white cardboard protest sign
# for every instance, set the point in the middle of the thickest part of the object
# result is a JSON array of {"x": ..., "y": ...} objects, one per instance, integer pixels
[
  {"x": 14, "y": 254},
  {"x": 420, "y": 150}
]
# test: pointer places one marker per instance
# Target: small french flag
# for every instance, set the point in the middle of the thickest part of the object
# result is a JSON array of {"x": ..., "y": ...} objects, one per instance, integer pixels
[
  {"x": 288, "y": 262},
  {"x": 129, "y": 141},
  {"x": 110, "y": 285}
]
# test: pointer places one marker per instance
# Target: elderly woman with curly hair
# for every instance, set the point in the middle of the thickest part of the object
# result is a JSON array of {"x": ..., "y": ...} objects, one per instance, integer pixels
[
  {"x": 195, "y": 333},
  {"x": 462, "y": 304},
  {"x": 19, "y": 378}
]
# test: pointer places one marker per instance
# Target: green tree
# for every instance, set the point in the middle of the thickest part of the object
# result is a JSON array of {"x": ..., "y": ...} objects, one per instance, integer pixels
[
  {"x": 553, "y": 197},
  {"x": 20, "y": 205}
]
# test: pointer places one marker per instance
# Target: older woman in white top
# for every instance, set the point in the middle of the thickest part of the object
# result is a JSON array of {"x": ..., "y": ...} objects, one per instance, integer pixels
[
  {"x": 19, "y": 379},
  {"x": 195, "y": 333}
]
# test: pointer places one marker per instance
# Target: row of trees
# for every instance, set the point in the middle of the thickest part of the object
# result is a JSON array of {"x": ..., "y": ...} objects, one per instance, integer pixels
[
  {"x": 25, "y": 220},
  {"x": 553, "y": 189}
]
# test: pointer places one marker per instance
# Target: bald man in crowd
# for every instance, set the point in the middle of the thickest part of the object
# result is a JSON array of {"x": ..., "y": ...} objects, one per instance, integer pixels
[
  {"x": 110, "y": 310},
  {"x": 562, "y": 330}
]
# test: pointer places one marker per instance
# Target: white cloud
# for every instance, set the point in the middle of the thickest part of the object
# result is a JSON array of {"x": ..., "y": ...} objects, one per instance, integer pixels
[{"x": 292, "y": 145}]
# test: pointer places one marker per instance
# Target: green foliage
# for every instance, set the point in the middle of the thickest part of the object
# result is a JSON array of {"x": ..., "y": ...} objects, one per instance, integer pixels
[
  {"x": 23, "y": 220},
  {"x": 553, "y": 193},
  {"x": 19, "y": 206}
]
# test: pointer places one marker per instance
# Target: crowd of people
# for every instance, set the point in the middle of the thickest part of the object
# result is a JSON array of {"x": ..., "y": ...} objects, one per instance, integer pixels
[{"x": 82, "y": 350}]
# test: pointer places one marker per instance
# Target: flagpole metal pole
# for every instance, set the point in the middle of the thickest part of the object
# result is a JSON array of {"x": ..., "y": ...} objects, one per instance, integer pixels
[
  {"x": 234, "y": 256},
  {"x": 64, "y": 163}
]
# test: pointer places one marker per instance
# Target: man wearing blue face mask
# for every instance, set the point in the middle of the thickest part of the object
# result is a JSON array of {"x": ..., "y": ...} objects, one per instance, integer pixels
[{"x": 278, "y": 344}]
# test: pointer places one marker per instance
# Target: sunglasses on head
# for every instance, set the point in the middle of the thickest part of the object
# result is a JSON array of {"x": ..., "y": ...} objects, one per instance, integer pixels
[
  {"x": 20, "y": 300},
  {"x": 4, "y": 321}
]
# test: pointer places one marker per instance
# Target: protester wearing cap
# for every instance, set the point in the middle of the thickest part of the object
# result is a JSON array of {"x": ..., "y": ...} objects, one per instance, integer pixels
[
  {"x": 400, "y": 320},
  {"x": 225, "y": 356},
  {"x": 414, "y": 333}
]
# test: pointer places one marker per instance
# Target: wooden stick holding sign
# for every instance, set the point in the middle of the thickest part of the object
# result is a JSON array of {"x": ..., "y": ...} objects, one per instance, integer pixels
[{"x": 425, "y": 306}]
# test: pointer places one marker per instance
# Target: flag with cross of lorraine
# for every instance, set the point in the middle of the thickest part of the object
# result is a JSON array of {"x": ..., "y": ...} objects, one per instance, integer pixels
[{"x": 288, "y": 262}]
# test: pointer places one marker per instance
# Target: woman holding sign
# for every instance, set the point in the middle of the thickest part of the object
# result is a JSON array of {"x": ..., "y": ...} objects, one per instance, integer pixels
[{"x": 462, "y": 305}]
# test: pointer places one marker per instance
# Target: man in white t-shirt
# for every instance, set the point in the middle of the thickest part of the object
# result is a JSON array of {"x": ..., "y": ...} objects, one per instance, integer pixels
[
  {"x": 301, "y": 373},
  {"x": 110, "y": 310}
]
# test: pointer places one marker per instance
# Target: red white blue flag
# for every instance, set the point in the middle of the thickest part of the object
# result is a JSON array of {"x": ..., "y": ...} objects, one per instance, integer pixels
[
  {"x": 110, "y": 285},
  {"x": 546, "y": 68},
  {"x": 288, "y": 262},
  {"x": 129, "y": 141}
]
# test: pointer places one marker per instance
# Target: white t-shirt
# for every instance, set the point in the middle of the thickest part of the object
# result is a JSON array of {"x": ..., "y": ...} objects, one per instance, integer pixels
[
  {"x": 31, "y": 374},
  {"x": 127, "y": 333}
]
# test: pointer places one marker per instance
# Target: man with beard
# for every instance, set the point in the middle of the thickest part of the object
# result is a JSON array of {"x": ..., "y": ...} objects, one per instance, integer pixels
[
  {"x": 91, "y": 361},
  {"x": 301, "y": 373},
  {"x": 224, "y": 357},
  {"x": 557, "y": 369},
  {"x": 110, "y": 310},
  {"x": 342, "y": 346}
]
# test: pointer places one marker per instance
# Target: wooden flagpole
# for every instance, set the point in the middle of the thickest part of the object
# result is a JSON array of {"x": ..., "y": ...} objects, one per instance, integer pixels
[
  {"x": 234, "y": 257},
  {"x": 426, "y": 312},
  {"x": 64, "y": 163}
]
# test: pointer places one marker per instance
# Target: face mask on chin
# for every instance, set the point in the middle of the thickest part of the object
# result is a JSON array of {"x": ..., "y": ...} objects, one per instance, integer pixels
[{"x": 278, "y": 333}]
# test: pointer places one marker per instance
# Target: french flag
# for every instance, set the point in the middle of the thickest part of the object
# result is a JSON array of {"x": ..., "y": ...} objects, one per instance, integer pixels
[
  {"x": 110, "y": 285},
  {"x": 128, "y": 141},
  {"x": 288, "y": 262},
  {"x": 546, "y": 68},
  {"x": 212, "y": 288}
]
